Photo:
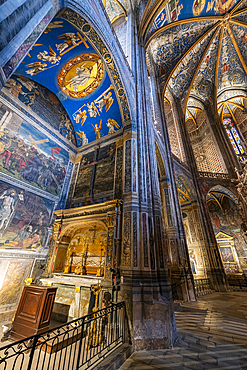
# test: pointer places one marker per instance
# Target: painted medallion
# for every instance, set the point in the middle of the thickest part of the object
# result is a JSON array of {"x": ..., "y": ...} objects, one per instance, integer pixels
[{"x": 81, "y": 75}]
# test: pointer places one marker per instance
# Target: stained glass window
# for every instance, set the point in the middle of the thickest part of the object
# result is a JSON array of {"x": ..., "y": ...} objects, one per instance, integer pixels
[{"x": 233, "y": 137}]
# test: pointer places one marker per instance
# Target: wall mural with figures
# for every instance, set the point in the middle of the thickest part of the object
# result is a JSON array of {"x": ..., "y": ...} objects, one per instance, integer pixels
[
  {"x": 178, "y": 9},
  {"x": 42, "y": 102},
  {"x": 24, "y": 219},
  {"x": 226, "y": 221},
  {"x": 64, "y": 62},
  {"x": 30, "y": 155}
]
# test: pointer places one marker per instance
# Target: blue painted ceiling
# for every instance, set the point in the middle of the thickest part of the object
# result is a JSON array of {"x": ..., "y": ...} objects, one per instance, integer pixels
[
  {"x": 200, "y": 47},
  {"x": 64, "y": 62}
]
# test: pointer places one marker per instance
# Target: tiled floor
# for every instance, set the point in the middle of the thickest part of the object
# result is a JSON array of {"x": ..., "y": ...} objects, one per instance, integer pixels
[{"x": 212, "y": 335}]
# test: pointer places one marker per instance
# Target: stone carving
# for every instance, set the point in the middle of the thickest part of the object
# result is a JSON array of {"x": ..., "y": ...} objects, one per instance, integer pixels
[{"x": 126, "y": 240}]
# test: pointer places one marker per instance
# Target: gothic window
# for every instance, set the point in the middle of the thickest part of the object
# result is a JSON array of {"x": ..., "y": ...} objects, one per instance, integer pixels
[{"x": 234, "y": 138}]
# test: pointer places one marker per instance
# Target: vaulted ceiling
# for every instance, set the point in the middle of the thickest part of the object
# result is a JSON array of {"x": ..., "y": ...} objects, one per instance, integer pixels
[
  {"x": 199, "y": 47},
  {"x": 65, "y": 62},
  {"x": 115, "y": 9}
]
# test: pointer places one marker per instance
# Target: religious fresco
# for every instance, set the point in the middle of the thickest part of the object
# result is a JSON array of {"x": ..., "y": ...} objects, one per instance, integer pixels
[
  {"x": 204, "y": 81},
  {"x": 42, "y": 102},
  {"x": 10, "y": 289},
  {"x": 180, "y": 9},
  {"x": 64, "y": 62},
  {"x": 187, "y": 52},
  {"x": 231, "y": 71},
  {"x": 223, "y": 211},
  {"x": 183, "y": 74},
  {"x": 226, "y": 223},
  {"x": 29, "y": 155},
  {"x": 170, "y": 45},
  {"x": 24, "y": 219}
]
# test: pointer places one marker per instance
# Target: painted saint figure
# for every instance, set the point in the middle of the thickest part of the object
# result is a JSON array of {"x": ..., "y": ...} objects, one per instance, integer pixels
[
  {"x": 82, "y": 76},
  {"x": 70, "y": 38},
  {"x": 50, "y": 57},
  {"x": 81, "y": 116},
  {"x": 7, "y": 208},
  {"x": 111, "y": 123},
  {"x": 97, "y": 130},
  {"x": 36, "y": 67},
  {"x": 82, "y": 135},
  {"x": 92, "y": 109}
]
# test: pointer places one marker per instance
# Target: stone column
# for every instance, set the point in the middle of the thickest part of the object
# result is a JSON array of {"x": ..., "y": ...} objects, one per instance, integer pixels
[
  {"x": 179, "y": 265},
  {"x": 145, "y": 286},
  {"x": 211, "y": 255}
]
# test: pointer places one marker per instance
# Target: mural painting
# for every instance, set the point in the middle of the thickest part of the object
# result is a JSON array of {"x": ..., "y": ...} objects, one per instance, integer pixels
[
  {"x": 226, "y": 223},
  {"x": 10, "y": 290},
  {"x": 42, "y": 102},
  {"x": 29, "y": 155},
  {"x": 24, "y": 219},
  {"x": 64, "y": 62}
]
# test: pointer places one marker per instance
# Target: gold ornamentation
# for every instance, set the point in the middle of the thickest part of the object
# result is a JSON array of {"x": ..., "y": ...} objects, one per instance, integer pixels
[
  {"x": 81, "y": 75},
  {"x": 94, "y": 339},
  {"x": 98, "y": 274},
  {"x": 29, "y": 281}
]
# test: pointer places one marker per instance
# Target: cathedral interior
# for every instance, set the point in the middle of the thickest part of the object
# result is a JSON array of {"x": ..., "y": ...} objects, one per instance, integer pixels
[{"x": 123, "y": 155}]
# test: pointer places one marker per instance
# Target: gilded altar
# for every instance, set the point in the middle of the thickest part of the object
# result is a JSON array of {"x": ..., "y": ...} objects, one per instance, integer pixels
[{"x": 84, "y": 249}]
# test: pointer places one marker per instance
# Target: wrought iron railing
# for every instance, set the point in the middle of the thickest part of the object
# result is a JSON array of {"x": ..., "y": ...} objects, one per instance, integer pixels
[{"x": 78, "y": 344}]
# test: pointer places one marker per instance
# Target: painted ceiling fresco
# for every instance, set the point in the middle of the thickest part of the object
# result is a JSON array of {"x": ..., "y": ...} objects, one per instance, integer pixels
[
  {"x": 64, "y": 62},
  {"x": 217, "y": 194},
  {"x": 114, "y": 8},
  {"x": 174, "y": 10},
  {"x": 204, "y": 50},
  {"x": 191, "y": 110},
  {"x": 227, "y": 107}
]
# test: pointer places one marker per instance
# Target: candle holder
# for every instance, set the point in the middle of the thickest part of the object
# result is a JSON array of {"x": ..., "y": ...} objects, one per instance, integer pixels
[
  {"x": 94, "y": 338},
  {"x": 85, "y": 255},
  {"x": 98, "y": 273}
]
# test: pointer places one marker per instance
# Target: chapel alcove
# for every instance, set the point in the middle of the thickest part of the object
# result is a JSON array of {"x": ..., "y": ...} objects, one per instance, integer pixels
[
  {"x": 226, "y": 222},
  {"x": 85, "y": 246}
]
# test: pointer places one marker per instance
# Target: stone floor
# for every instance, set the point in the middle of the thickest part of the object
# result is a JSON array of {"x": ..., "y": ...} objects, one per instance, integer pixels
[{"x": 212, "y": 335}]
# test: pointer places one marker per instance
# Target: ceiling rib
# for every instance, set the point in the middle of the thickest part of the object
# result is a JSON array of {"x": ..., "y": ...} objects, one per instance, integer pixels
[
  {"x": 199, "y": 64},
  {"x": 183, "y": 57},
  {"x": 236, "y": 47}
]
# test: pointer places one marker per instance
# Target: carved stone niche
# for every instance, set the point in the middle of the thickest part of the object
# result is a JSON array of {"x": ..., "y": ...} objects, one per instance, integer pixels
[{"x": 101, "y": 223}]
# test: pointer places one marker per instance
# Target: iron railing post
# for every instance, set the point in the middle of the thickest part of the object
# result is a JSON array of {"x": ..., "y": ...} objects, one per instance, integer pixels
[
  {"x": 80, "y": 344},
  {"x": 35, "y": 341}
]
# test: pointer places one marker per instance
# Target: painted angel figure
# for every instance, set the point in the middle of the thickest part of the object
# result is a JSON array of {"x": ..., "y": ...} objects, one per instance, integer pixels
[
  {"x": 92, "y": 110},
  {"x": 106, "y": 101},
  {"x": 50, "y": 57},
  {"x": 97, "y": 129},
  {"x": 36, "y": 67},
  {"x": 52, "y": 25},
  {"x": 7, "y": 207},
  {"x": 80, "y": 116},
  {"x": 82, "y": 76},
  {"x": 82, "y": 135},
  {"x": 111, "y": 123},
  {"x": 70, "y": 38}
]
